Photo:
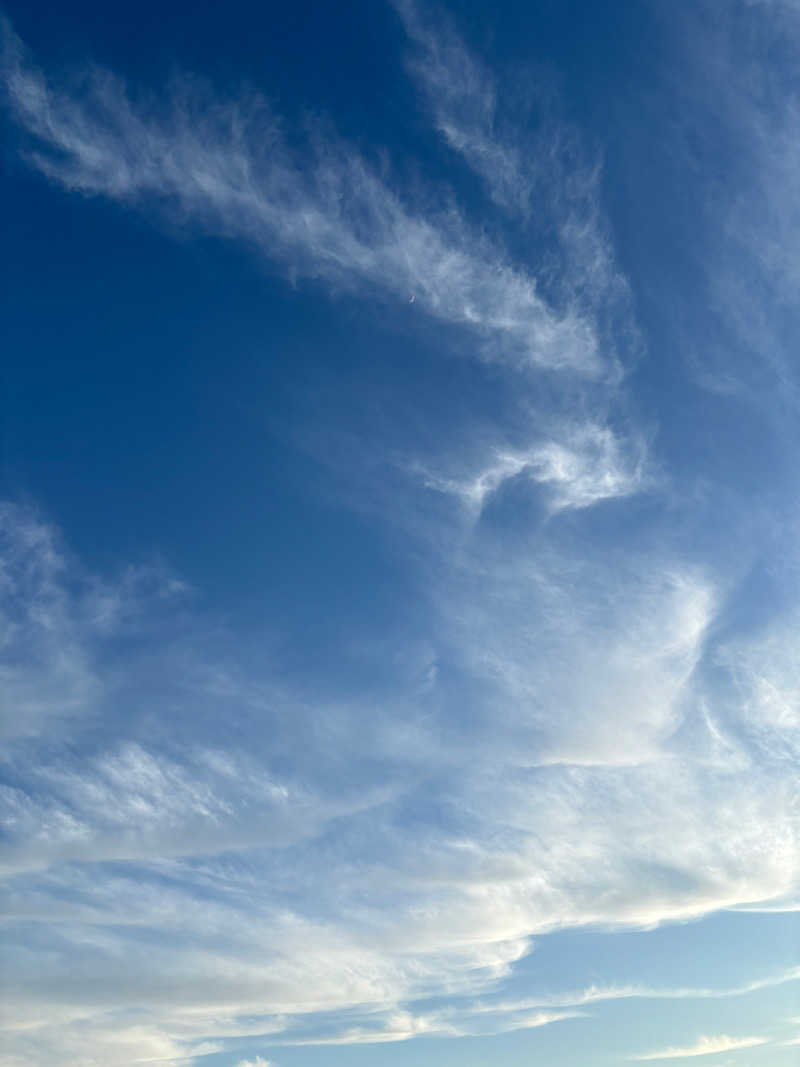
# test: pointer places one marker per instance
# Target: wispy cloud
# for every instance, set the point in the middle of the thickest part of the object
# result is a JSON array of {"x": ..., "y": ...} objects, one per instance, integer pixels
[
  {"x": 460, "y": 1022},
  {"x": 737, "y": 77},
  {"x": 638, "y": 629},
  {"x": 590, "y": 465},
  {"x": 322, "y": 212},
  {"x": 441, "y": 905},
  {"x": 766, "y": 697},
  {"x": 532, "y": 163},
  {"x": 54, "y": 617},
  {"x": 462, "y": 95},
  {"x": 597, "y": 994},
  {"x": 704, "y": 1046}
]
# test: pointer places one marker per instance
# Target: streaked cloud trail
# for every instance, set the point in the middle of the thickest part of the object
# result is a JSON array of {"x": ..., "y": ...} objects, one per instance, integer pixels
[
  {"x": 704, "y": 1046},
  {"x": 324, "y": 213}
]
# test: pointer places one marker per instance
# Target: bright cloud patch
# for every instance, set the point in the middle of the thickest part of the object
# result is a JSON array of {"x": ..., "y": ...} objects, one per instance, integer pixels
[{"x": 585, "y": 469}]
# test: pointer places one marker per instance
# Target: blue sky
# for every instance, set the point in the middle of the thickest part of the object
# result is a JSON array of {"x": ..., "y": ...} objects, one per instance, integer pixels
[{"x": 399, "y": 570}]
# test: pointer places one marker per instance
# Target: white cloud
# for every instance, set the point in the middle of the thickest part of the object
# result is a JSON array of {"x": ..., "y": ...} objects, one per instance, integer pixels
[
  {"x": 462, "y": 95},
  {"x": 597, "y": 994},
  {"x": 766, "y": 677},
  {"x": 323, "y": 214},
  {"x": 637, "y": 834},
  {"x": 704, "y": 1046},
  {"x": 54, "y": 618},
  {"x": 737, "y": 80},
  {"x": 588, "y": 466},
  {"x": 395, "y": 1026},
  {"x": 404, "y": 1025},
  {"x": 36, "y": 618},
  {"x": 637, "y": 629},
  {"x": 589, "y": 469},
  {"x": 115, "y": 1041},
  {"x": 531, "y": 162},
  {"x": 128, "y": 803}
]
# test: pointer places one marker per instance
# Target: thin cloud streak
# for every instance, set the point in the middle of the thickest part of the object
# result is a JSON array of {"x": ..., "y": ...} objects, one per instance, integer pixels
[
  {"x": 322, "y": 214},
  {"x": 463, "y": 98},
  {"x": 704, "y": 1046},
  {"x": 599, "y": 994},
  {"x": 531, "y": 163},
  {"x": 403, "y": 1025}
]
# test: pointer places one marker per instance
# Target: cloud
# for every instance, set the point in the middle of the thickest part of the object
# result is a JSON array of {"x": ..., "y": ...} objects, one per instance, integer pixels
[
  {"x": 257, "y": 1062},
  {"x": 322, "y": 212},
  {"x": 532, "y": 163},
  {"x": 597, "y": 994},
  {"x": 319, "y": 210},
  {"x": 404, "y": 1025},
  {"x": 144, "y": 854},
  {"x": 704, "y": 1046},
  {"x": 126, "y": 803},
  {"x": 736, "y": 78},
  {"x": 766, "y": 694},
  {"x": 396, "y": 1026},
  {"x": 116, "y": 1039},
  {"x": 54, "y": 618},
  {"x": 590, "y": 465},
  {"x": 59, "y": 680},
  {"x": 462, "y": 94},
  {"x": 774, "y": 907},
  {"x": 636, "y": 628}
]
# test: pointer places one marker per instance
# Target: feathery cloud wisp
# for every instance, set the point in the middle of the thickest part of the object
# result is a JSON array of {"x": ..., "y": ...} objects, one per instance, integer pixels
[
  {"x": 704, "y": 1046},
  {"x": 325, "y": 213}
]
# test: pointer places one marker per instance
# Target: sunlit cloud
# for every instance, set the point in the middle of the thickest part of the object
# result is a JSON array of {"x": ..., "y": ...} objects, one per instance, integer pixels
[{"x": 704, "y": 1046}]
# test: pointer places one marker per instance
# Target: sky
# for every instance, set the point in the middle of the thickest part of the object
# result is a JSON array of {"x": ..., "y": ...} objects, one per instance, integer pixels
[{"x": 400, "y": 533}]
